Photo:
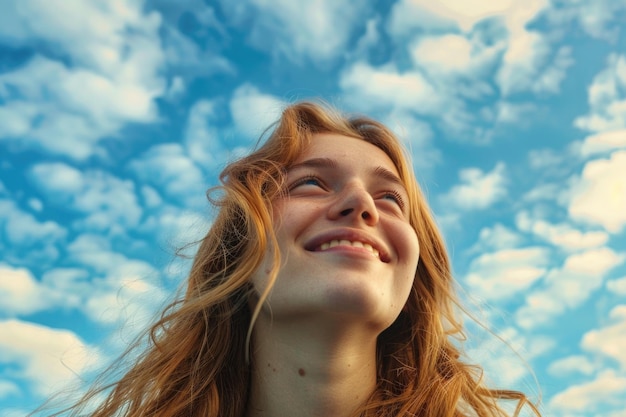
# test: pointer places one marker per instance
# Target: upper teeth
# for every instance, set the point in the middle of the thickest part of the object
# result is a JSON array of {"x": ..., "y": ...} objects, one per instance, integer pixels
[{"x": 343, "y": 242}]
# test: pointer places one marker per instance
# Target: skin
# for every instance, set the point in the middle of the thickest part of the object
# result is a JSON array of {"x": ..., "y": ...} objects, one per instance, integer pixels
[{"x": 314, "y": 344}]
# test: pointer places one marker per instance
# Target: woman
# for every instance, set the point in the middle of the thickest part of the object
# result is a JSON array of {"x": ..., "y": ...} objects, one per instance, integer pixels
[{"x": 323, "y": 288}]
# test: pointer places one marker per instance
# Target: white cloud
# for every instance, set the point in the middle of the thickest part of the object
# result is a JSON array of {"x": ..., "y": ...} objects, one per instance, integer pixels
[
  {"x": 407, "y": 15},
  {"x": 598, "y": 18},
  {"x": 617, "y": 286},
  {"x": 369, "y": 40},
  {"x": 45, "y": 358},
  {"x": 385, "y": 87},
  {"x": 120, "y": 288},
  {"x": 507, "y": 112},
  {"x": 110, "y": 78},
  {"x": 543, "y": 159},
  {"x": 453, "y": 54},
  {"x": 568, "y": 286},
  {"x": 543, "y": 192},
  {"x": 23, "y": 229},
  {"x": 253, "y": 111},
  {"x": 178, "y": 226},
  {"x": 478, "y": 190},
  {"x": 561, "y": 235},
  {"x": 108, "y": 203},
  {"x": 528, "y": 62},
  {"x": 599, "y": 195},
  {"x": 500, "y": 275},
  {"x": 567, "y": 366},
  {"x": 496, "y": 237},
  {"x": 170, "y": 170},
  {"x": 610, "y": 340},
  {"x": 20, "y": 293},
  {"x": 8, "y": 389},
  {"x": 417, "y": 137},
  {"x": 603, "y": 142},
  {"x": 607, "y": 390},
  {"x": 504, "y": 357},
  {"x": 607, "y": 98},
  {"x": 529, "y": 65},
  {"x": 318, "y": 31}
]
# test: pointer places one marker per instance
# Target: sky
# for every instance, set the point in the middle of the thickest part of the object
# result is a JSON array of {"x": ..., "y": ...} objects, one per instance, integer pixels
[{"x": 117, "y": 116}]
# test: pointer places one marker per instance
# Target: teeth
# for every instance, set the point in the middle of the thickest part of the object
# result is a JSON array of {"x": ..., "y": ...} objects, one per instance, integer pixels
[{"x": 343, "y": 242}]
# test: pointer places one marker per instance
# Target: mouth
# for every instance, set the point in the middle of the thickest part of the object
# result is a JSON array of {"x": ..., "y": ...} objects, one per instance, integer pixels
[
  {"x": 354, "y": 243},
  {"x": 349, "y": 238}
]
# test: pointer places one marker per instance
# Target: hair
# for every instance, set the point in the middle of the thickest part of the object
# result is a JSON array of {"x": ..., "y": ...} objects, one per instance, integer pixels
[{"x": 196, "y": 362}]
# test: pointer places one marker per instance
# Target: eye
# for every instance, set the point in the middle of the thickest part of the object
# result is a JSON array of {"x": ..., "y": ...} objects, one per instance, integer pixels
[
  {"x": 307, "y": 180},
  {"x": 394, "y": 196}
]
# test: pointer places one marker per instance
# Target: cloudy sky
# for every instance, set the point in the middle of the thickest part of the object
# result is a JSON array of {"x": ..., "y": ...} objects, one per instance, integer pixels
[{"x": 116, "y": 116}]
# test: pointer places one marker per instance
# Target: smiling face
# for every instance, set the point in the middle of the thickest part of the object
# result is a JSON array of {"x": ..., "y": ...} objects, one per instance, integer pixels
[{"x": 346, "y": 244}]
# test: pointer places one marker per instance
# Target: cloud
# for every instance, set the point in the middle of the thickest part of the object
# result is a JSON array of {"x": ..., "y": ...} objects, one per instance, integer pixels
[
  {"x": 20, "y": 293},
  {"x": 478, "y": 190},
  {"x": 561, "y": 235},
  {"x": 504, "y": 358},
  {"x": 317, "y": 31},
  {"x": 498, "y": 276},
  {"x": 108, "y": 287},
  {"x": 607, "y": 98},
  {"x": 8, "y": 389},
  {"x": 568, "y": 287},
  {"x": 598, "y": 196},
  {"x": 609, "y": 341},
  {"x": 253, "y": 112},
  {"x": 23, "y": 229},
  {"x": 169, "y": 169},
  {"x": 26, "y": 238},
  {"x": 453, "y": 54},
  {"x": 607, "y": 390},
  {"x": 417, "y": 137},
  {"x": 525, "y": 57},
  {"x": 600, "y": 19},
  {"x": 117, "y": 289},
  {"x": 45, "y": 358},
  {"x": 407, "y": 15},
  {"x": 385, "y": 87},
  {"x": 576, "y": 364},
  {"x": 617, "y": 286},
  {"x": 108, "y": 79},
  {"x": 603, "y": 142},
  {"x": 495, "y": 237},
  {"x": 107, "y": 203},
  {"x": 528, "y": 65}
]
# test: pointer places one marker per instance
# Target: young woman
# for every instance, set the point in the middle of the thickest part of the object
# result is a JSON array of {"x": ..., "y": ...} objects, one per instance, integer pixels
[{"x": 323, "y": 288}]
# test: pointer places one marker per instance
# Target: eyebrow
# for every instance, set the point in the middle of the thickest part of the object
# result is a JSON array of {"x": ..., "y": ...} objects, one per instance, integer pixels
[{"x": 327, "y": 163}]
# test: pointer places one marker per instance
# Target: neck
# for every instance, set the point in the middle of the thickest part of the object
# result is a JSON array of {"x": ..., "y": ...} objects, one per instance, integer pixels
[{"x": 307, "y": 369}]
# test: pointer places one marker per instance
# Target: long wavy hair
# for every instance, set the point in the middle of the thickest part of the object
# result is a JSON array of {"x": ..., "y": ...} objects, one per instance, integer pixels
[{"x": 196, "y": 362}]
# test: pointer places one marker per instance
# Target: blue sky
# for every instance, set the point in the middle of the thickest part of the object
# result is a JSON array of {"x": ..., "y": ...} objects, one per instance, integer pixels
[{"x": 116, "y": 116}]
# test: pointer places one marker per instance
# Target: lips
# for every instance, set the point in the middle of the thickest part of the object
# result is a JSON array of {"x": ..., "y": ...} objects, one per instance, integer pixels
[{"x": 348, "y": 237}]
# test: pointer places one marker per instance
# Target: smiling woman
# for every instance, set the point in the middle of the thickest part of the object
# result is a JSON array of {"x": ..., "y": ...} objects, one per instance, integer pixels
[{"x": 323, "y": 288}]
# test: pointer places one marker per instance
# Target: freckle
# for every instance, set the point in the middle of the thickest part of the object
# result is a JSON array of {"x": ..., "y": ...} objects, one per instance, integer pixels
[
  {"x": 301, "y": 372},
  {"x": 273, "y": 369}
]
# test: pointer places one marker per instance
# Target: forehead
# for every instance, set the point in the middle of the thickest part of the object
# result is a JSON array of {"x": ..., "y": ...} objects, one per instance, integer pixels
[{"x": 354, "y": 152}]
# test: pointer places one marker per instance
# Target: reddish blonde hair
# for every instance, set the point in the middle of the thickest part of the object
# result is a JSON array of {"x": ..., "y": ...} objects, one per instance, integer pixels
[{"x": 196, "y": 363}]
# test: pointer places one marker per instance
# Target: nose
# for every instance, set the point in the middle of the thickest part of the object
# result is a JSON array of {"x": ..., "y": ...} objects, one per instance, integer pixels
[{"x": 356, "y": 204}]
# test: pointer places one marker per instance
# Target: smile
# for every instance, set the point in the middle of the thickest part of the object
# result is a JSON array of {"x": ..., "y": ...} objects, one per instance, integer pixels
[{"x": 343, "y": 242}]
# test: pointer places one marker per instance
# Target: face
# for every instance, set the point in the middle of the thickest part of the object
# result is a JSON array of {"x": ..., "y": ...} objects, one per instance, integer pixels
[{"x": 346, "y": 244}]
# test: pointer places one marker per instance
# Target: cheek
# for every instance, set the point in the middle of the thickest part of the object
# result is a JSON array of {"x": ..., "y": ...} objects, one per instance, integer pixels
[
  {"x": 260, "y": 278},
  {"x": 408, "y": 247}
]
